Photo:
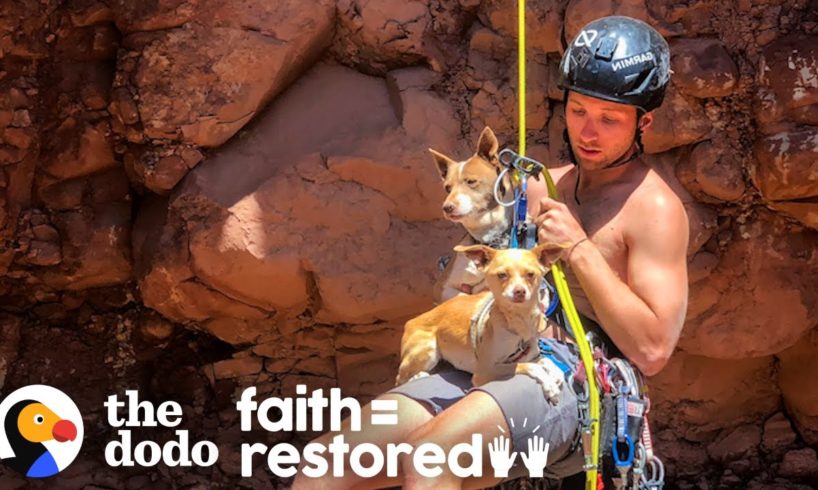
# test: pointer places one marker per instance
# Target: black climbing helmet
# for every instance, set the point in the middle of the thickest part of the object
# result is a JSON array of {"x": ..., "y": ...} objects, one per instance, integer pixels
[{"x": 619, "y": 59}]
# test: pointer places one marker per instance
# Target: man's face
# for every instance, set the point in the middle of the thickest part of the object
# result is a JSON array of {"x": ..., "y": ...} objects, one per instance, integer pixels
[{"x": 600, "y": 131}]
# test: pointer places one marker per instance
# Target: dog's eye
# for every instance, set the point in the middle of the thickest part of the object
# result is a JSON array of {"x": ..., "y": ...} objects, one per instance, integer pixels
[
  {"x": 448, "y": 188},
  {"x": 471, "y": 182},
  {"x": 530, "y": 275},
  {"x": 502, "y": 276}
]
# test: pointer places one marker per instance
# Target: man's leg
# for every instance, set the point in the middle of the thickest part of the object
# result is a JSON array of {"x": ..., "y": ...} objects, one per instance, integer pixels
[
  {"x": 514, "y": 408},
  {"x": 477, "y": 413},
  {"x": 411, "y": 415}
]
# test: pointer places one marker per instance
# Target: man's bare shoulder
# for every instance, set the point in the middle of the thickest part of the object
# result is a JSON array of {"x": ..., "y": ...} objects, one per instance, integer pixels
[
  {"x": 654, "y": 205},
  {"x": 654, "y": 191},
  {"x": 559, "y": 171}
]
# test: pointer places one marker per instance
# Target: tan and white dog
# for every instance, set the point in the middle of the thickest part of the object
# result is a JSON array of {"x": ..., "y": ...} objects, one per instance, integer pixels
[
  {"x": 494, "y": 334},
  {"x": 471, "y": 202}
]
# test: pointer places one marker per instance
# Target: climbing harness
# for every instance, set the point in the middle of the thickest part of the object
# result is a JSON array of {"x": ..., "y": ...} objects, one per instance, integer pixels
[{"x": 478, "y": 324}]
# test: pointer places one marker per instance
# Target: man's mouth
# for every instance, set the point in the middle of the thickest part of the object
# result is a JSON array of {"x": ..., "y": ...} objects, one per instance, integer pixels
[{"x": 588, "y": 151}]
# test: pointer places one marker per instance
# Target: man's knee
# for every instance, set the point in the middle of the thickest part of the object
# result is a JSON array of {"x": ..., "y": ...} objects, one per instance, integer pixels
[
  {"x": 411, "y": 415},
  {"x": 427, "y": 467},
  {"x": 302, "y": 481},
  {"x": 406, "y": 461}
]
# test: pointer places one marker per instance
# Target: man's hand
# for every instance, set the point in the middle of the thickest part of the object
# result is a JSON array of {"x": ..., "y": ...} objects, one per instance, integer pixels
[
  {"x": 556, "y": 224},
  {"x": 501, "y": 460}
]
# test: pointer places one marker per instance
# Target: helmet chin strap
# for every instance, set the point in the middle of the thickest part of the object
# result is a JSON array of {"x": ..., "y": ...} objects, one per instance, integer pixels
[{"x": 622, "y": 160}]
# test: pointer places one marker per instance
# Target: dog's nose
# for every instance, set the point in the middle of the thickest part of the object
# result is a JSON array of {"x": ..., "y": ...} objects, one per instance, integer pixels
[
  {"x": 519, "y": 294},
  {"x": 448, "y": 208}
]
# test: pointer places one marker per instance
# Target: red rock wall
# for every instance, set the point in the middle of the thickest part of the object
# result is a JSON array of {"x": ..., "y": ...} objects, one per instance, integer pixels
[{"x": 252, "y": 178}]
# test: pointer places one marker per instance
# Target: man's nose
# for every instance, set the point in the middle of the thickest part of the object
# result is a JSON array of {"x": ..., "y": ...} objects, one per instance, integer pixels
[{"x": 588, "y": 132}]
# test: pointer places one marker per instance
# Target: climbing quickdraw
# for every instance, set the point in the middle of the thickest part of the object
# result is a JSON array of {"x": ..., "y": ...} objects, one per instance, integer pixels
[{"x": 631, "y": 446}]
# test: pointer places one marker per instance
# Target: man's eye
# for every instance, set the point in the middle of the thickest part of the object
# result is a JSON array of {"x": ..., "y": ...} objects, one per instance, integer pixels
[
  {"x": 607, "y": 120},
  {"x": 578, "y": 112}
]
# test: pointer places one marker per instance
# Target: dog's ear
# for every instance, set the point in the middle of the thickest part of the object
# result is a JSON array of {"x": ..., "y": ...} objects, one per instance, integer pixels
[
  {"x": 548, "y": 253},
  {"x": 481, "y": 255},
  {"x": 487, "y": 145},
  {"x": 443, "y": 162}
]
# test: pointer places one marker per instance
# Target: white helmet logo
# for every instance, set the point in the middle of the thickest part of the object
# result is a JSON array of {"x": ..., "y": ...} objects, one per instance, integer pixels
[{"x": 585, "y": 38}]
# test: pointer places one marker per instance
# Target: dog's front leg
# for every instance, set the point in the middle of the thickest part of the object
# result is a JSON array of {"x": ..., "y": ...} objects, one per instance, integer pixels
[
  {"x": 484, "y": 374},
  {"x": 547, "y": 374},
  {"x": 479, "y": 379}
]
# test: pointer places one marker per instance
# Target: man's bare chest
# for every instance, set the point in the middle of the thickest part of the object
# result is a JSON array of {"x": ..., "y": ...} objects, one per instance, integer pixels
[{"x": 605, "y": 227}]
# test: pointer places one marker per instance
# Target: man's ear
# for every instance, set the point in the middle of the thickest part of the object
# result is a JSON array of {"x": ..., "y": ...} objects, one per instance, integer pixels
[
  {"x": 646, "y": 121},
  {"x": 442, "y": 162},
  {"x": 548, "y": 253},
  {"x": 487, "y": 145},
  {"x": 481, "y": 255}
]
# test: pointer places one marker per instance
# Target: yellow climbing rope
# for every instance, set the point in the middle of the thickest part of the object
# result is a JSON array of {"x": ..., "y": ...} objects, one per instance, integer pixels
[
  {"x": 521, "y": 74},
  {"x": 592, "y": 466}
]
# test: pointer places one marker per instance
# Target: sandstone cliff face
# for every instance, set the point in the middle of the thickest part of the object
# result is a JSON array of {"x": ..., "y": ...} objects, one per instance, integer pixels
[{"x": 229, "y": 194}]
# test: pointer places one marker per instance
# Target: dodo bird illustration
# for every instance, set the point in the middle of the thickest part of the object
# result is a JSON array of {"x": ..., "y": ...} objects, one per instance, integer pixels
[{"x": 28, "y": 425}]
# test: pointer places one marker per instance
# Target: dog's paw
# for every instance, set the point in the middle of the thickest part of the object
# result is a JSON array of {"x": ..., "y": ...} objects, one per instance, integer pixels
[
  {"x": 419, "y": 375},
  {"x": 548, "y": 375}
]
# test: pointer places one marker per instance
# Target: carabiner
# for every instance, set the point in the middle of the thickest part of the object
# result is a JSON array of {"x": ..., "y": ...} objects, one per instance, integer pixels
[
  {"x": 507, "y": 157},
  {"x": 618, "y": 461}
]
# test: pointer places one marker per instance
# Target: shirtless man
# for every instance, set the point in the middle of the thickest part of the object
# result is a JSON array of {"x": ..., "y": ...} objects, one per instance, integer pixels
[{"x": 627, "y": 268}]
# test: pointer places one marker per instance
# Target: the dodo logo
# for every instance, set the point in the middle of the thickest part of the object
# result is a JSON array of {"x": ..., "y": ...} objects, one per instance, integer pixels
[{"x": 41, "y": 431}]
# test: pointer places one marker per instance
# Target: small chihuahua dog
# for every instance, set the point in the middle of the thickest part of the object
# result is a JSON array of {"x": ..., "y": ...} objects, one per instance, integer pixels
[
  {"x": 494, "y": 334},
  {"x": 470, "y": 202}
]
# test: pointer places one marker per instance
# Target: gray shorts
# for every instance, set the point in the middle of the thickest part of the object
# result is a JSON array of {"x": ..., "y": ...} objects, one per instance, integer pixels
[{"x": 524, "y": 407}]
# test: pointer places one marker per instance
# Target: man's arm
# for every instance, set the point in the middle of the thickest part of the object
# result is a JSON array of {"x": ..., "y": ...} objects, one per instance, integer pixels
[{"x": 643, "y": 316}]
